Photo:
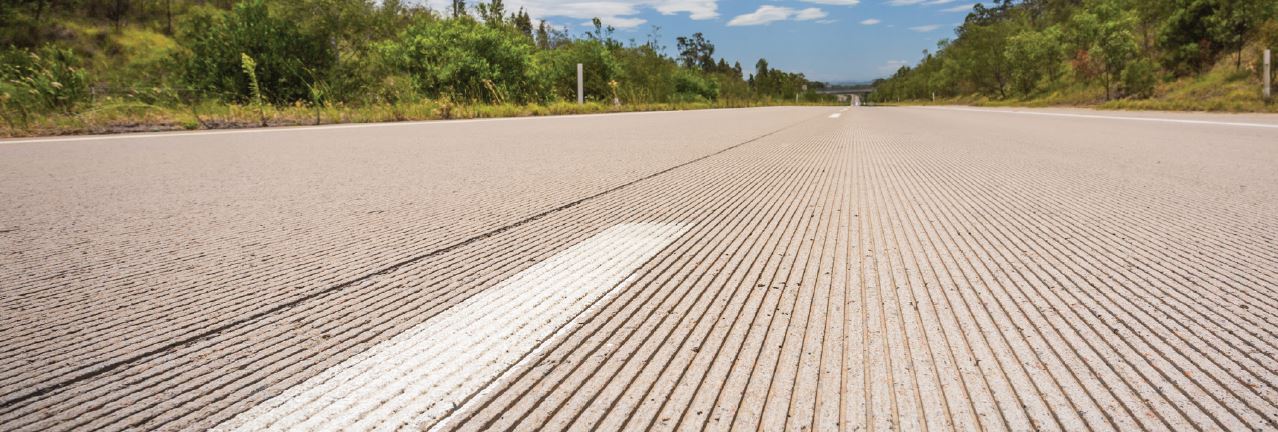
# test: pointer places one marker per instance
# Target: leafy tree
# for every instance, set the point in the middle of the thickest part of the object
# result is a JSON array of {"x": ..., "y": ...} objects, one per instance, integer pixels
[
  {"x": 695, "y": 52},
  {"x": 492, "y": 13},
  {"x": 1034, "y": 56},
  {"x": 543, "y": 36},
  {"x": 1188, "y": 39},
  {"x": 1105, "y": 42},
  {"x": 1236, "y": 20},
  {"x": 522, "y": 22},
  {"x": 985, "y": 64},
  {"x": 458, "y": 9}
]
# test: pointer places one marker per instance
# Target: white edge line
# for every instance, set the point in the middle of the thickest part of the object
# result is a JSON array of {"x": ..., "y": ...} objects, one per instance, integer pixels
[
  {"x": 1095, "y": 116},
  {"x": 271, "y": 129}
]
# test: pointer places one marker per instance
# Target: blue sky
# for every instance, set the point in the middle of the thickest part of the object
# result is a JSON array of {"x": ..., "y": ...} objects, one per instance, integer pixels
[{"x": 829, "y": 40}]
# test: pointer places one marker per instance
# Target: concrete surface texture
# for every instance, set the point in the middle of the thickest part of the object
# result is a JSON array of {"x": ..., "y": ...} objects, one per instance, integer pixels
[{"x": 774, "y": 268}]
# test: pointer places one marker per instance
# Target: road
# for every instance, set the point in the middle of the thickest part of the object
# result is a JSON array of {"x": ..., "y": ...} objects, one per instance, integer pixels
[{"x": 795, "y": 267}]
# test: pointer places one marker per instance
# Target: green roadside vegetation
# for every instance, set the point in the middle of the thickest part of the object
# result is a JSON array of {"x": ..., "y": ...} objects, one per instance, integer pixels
[
  {"x": 1194, "y": 55},
  {"x": 97, "y": 66}
]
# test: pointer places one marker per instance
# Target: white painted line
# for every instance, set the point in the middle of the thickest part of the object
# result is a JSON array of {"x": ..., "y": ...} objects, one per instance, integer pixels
[
  {"x": 835, "y": 115},
  {"x": 1095, "y": 116},
  {"x": 417, "y": 378}
]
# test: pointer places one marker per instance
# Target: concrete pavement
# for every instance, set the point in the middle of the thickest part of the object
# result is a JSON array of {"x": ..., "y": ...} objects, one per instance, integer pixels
[{"x": 819, "y": 268}]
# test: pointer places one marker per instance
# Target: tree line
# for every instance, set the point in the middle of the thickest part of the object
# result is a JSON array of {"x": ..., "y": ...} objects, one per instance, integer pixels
[
  {"x": 1119, "y": 48},
  {"x": 60, "y": 55}
]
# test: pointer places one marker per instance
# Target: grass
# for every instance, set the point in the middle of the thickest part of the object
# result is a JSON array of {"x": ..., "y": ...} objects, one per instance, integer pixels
[
  {"x": 119, "y": 116},
  {"x": 1223, "y": 89}
]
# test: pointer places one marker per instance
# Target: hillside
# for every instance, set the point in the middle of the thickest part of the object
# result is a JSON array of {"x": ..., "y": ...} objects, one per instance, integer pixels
[{"x": 1147, "y": 54}]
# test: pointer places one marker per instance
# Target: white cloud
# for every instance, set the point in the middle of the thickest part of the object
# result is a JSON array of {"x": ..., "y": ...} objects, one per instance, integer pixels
[
  {"x": 925, "y": 28},
  {"x": 767, "y": 14},
  {"x": 834, "y": 2},
  {"x": 870, "y": 21},
  {"x": 764, "y": 15},
  {"x": 809, "y": 14},
  {"x": 617, "y": 13},
  {"x": 916, "y": 2},
  {"x": 696, "y": 9},
  {"x": 617, "y": 22},
  {"x": 960, "y": 8}
]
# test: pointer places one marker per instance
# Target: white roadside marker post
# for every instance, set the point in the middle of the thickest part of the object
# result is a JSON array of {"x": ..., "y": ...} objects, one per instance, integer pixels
[
  {"x": 581, "y": 97},
  {"x": 1268, "y": 87}
]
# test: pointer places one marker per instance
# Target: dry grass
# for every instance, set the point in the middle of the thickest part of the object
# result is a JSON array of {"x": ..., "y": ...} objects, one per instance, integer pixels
[
  {"x": 111, "y": 116},
  {"x": 1223, "y": 89}
]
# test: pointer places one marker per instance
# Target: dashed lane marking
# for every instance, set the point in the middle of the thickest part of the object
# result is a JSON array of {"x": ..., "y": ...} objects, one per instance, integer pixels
[{"x": 418, "y": 377}]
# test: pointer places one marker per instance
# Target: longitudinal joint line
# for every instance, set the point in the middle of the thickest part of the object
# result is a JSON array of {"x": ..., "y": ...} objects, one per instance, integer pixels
[{"x": 10, "y": 405}]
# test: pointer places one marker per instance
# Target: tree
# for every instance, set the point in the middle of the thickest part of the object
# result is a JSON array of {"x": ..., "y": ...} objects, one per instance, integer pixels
[
  {"x": 1033, "y": 56},
  {"x": 116, "y": 11},
  {"x": 543, "y": 36},
  {"x": 695, "y": 52},
  {"x": 1105, "y": 40},
  {"x": 522, "y": 22},
  {"x": 459, "y": 8},
  {"x": 492, "y": 13},
  {"x": 984, "y": 45},
  {"x": 1235, "y": 20},
  {"x": 761, "y": 80},
  {"x": 1187, "y": 38},
  {"x": 1125, "y": 46}
]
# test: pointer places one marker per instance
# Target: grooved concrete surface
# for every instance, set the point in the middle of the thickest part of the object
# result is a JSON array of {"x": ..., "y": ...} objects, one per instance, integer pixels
[{"x": 772, "y": 268}]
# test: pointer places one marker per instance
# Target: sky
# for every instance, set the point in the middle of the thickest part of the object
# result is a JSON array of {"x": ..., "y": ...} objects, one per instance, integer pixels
[{"x": 828, "y": 40}]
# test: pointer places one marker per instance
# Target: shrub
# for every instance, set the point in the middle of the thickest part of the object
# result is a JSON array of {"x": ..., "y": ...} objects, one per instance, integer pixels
[
  {"x": 288, "y": 60},
  {"x": 558, "y": 70},
  {"x": 464, "y": 60},
  {"x": 646, "y": 75},
  {"x": 48, "y": 79},
  {"x": 694, "y": 87},
  {"x": 1139, "y": 78}
]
